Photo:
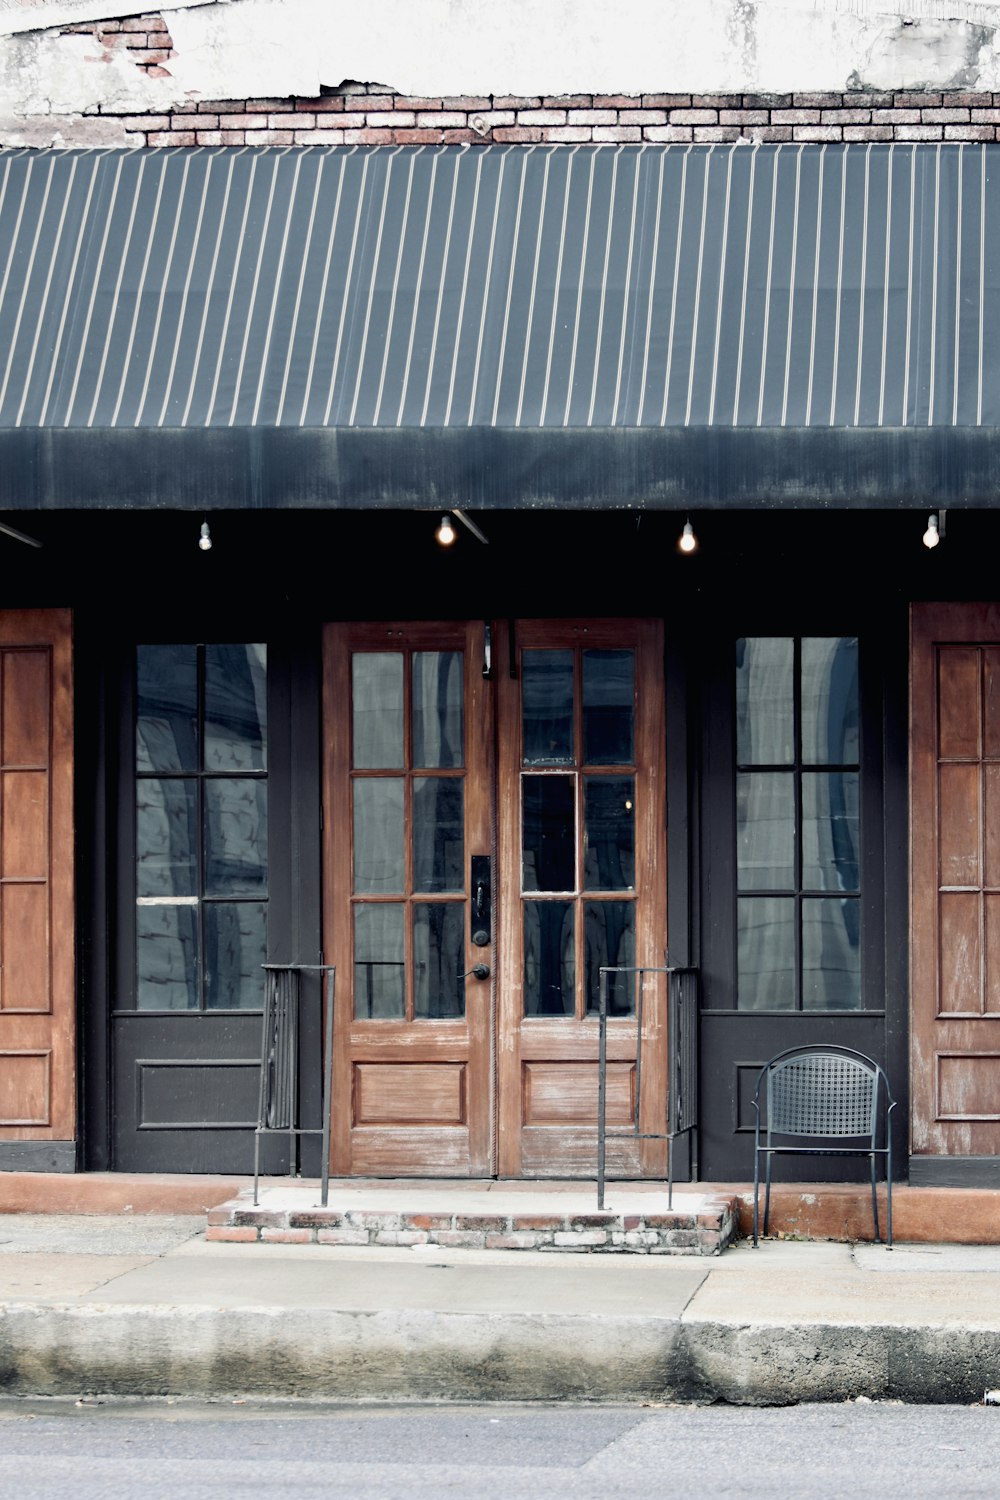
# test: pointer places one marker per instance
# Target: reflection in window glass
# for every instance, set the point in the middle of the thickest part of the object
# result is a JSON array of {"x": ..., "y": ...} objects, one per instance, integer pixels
[
  {"x": 438, "y": 719},
  {"x": 609, "y": 940},
  {"x": 765, "y": 830},
  {"x": 609, "y": 833},
  {"x": 235, "y": 949},
  {"x": 608, "y": 707},
  {"x": 830, "y": 700},
  {"x": 831, "y": 955},
  {"x": 547, "y": 707},
  {"x": 377, "y": 710},
  {"x": 166, "y": 958},
  {"x": 379, "y": 969},
  {"x": 235, "y": 708},
  {"x": 830, "y": 829},
  {"x": 235, "y": 836},
  {"x": 438, "y": 834},
  {"x": 765, "y": 717},
  {"x": 766, "y": 953},
  {"x": 379, "y": 857},
  {"x": 166, "y": 837},
  {"x": 549, "y": 959},
  {"x": 549, "y": 844},
  {"x": 438, "y": 953},
  {"x": 166, "y": 728}
]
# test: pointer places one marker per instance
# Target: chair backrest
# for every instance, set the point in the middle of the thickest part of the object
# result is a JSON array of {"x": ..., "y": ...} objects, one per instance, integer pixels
[{"x": 822, "y": 1093}]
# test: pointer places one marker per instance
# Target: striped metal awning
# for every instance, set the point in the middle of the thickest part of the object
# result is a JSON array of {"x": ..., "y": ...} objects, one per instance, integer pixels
[{"x": 597, "y": 325}]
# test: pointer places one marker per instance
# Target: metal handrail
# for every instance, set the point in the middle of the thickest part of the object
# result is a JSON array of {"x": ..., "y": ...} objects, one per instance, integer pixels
[
  {"x": 682, "y": 1063},
  {"x": 278, "y": 1089}
]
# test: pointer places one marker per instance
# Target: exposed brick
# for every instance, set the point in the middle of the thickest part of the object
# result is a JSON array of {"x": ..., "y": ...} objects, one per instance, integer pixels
[
  {"x": 670, "y": 1221},
  {"x": 919, "y": 133},
  {"x": 540, "y": 1221},
  {"x": 242, "y": 122},
  {"x": 461, "y": 137},
  {"x": 481, "y": 1221},
  {"x": 719, "y": 101},
  {"x": 666, "y": 101},
  {"x": 870, "y": 101},
  {"x": 642, "y": 117},
  {"x": 230, "y": 137},
  {"x": 772, "y": 133},
  {"x": 895, "y": 117},
  {"x": 462, "y": 101},
  {"x": 542, "y": 117},
  {"x": 615, "y": 101},
  {"x": 568, "y": 134},
  {"x": 795, "y": 117},
  {"x": 442, "y": 119},
  {"x": 515, "y": 101},
  {"x": 287, "y": 1236},
  {"x": 386, "y": 119},
  {"x": 231, "y": 1233},
  {"x": 767, "y": 101},
  {"x": 320, "y": 137},
  {"x": 715, "y": 133},
  {"x": 985, "y": 116},
  {"x": 176, "y": 138},
  {"x": 816, "y": 133},
  {"x": 944, "y": 116},
  {"x": 351, "y": 121},
  {"x": 816, "y": 101},
  {"x": 189, "y": 107},
  {"x": 415, "y": 102},
  {"x": 155, "y": 59},
  {"x": 682, "y": 1238},
  {"x": 617, "y": 133},
  {"x": 491, "y": 118},
  {"x": 430, "y": 1221},
  {"x": 868, "y": 133},
  {"x": 415, "y": 137},
  {"x": 744, "y": 116},
  {"x": 519, "y": 1240},
  {"x": 583, "y": 1238},
  {"x": 590, "y": 117},
  {"x": 400, "y": 1237},
  {"x": 342, "y": 1236},
  {"x": 290, "y": 122},
  {"x": 211, "y": 137},
  {"x": 460, "y": 1239},
  {"x": 147, "y": 122},
  {"x": 329, "y": 104},
  {"x": 845, "y": 116},
  {"x": 970, "y": 132},
  {"x": 668, "y": 133},
  {"x": 517, "y": 134},
  {"x": 136, "y": 23},
  {"x": 268, "y": 137},
  {"x": 218, "y": 1215},
  {"x": 566, "y": 101},
  {"x": 383, "y": 101},
  {"x": 694, "y": 117},
  {"x": 916, "y": 100}
]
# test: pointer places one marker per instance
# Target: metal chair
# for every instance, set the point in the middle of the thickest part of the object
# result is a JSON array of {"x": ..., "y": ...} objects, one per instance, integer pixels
[{"x": 822, "y": 1094}]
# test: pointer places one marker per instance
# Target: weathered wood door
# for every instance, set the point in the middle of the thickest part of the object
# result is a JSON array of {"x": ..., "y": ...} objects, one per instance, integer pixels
[
  {"x": 37, "y": 1002},
  {"x": 511, "y": 821},
  {"x": 955, "y": 880}
]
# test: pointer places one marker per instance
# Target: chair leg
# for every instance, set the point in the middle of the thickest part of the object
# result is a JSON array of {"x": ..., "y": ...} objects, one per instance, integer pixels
[
  {"x": 878, "y": 1237},
  {"x": 756, "y": 1195},
  {"x": 767, "y": 1193}
]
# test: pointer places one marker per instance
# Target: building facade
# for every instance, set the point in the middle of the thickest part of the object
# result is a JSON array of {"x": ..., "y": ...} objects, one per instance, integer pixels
[{"x": 260, "y": 349}]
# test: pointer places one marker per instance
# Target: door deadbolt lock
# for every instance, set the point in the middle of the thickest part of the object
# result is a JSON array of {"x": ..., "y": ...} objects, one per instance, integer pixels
[{"x": 482, "y": 901}]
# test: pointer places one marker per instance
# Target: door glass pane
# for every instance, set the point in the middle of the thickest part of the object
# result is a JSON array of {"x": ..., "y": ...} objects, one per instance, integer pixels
[
  {"x": 549, "y": 959},
  {"x": 166, "y": 737},
  {"x": 377, "y": 710},
  {"x": 766, "y": 953},
  {"x": 765, "y": 717},
  {"x": 830, "y": 700},
  {"x": 609, "y": 938},
  {"x": 438, "y": 719},
  {"x": 609, "y": 833},
  {"x": 438, "y": 834},
  {"x": 166, "y": 958},
  {"x": 608, "y": 707},
  {"x": 379, "y": 971},
  {"x": 235, "y": 836},
  {"x": 765, "y": 830},
  {"x": 235, "y": 949},
  {"x": 235, "y": 708},
  {"x": 166, "y": 837},
  {"x": 548, "y": 833},
  {"x": 830, "y": 827},
  {"x": 831, "y": 955},
  {"x": 547, "y": 707},
  {"x": 379, "y": 862},
  {"x": 438, "y": 960}
]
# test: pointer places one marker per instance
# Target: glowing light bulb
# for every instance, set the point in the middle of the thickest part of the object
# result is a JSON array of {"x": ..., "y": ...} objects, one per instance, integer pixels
[
  {"x": 688, "y": 542},
  {"x": 933, "y": 533},
  {"x": 445, "y": 532},
  {"x": 205, "y": 540}
]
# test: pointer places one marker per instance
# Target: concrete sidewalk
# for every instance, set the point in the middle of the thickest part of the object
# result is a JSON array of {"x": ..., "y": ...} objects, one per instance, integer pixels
[{"x": 147, "y": 1306}]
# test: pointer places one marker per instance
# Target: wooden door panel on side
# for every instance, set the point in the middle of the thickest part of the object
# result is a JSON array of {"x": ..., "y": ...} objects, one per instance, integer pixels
[
  {"x": 955, "y": 879},
  {"x": 37, "y": 1001}
]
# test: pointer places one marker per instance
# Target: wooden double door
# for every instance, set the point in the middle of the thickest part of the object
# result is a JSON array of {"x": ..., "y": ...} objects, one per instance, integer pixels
[{"x": 494, "y": 834}]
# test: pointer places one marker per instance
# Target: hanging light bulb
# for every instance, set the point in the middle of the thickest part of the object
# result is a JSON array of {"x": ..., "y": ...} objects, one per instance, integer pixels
[
  {"x": 205, "y": 540},
  {"x": 687, "y": 541},
  {"x": 933, "y": 533},
  {"x": 445, "y": 532}
]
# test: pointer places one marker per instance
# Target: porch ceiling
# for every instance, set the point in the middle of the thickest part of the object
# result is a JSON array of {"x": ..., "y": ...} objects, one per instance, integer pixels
[{"x": 500, "y": 327}]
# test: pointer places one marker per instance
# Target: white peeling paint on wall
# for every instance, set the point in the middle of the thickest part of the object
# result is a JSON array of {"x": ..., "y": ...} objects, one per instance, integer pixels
[{"x": 225, "y": 49}]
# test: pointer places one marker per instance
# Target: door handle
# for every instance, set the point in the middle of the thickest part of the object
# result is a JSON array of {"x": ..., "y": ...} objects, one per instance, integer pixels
[{"x": 482, "y": 901}]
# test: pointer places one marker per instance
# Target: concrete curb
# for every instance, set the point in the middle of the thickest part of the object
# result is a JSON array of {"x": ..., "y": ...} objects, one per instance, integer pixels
[{"x": 201, "y": 1351}]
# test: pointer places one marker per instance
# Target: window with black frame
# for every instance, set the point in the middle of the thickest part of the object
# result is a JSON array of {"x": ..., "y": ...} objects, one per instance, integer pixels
[
  {"x": 201, "y": 866},
  {"x": 798, "y": 875}
]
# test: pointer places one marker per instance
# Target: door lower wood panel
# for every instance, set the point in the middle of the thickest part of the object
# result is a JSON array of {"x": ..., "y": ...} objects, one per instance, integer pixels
[
  {"x": 955, "y": 880},
  {"x": 37, "y": 999}
]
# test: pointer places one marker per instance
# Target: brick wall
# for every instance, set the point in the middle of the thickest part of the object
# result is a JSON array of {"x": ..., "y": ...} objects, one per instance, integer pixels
[{"x": 372, "y": 114}]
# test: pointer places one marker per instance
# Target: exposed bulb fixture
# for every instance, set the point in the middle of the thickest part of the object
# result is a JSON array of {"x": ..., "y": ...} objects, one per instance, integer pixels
[
  {"x": 933, "y": 533},
  {"x": 205, "y": 540},
  {"x": 446, "y": 532},
  {"x": 687, "y": 541}
]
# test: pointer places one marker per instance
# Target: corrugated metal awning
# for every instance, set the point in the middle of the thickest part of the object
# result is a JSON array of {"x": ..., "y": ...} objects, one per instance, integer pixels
[{"x": 713, "y": 324}]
